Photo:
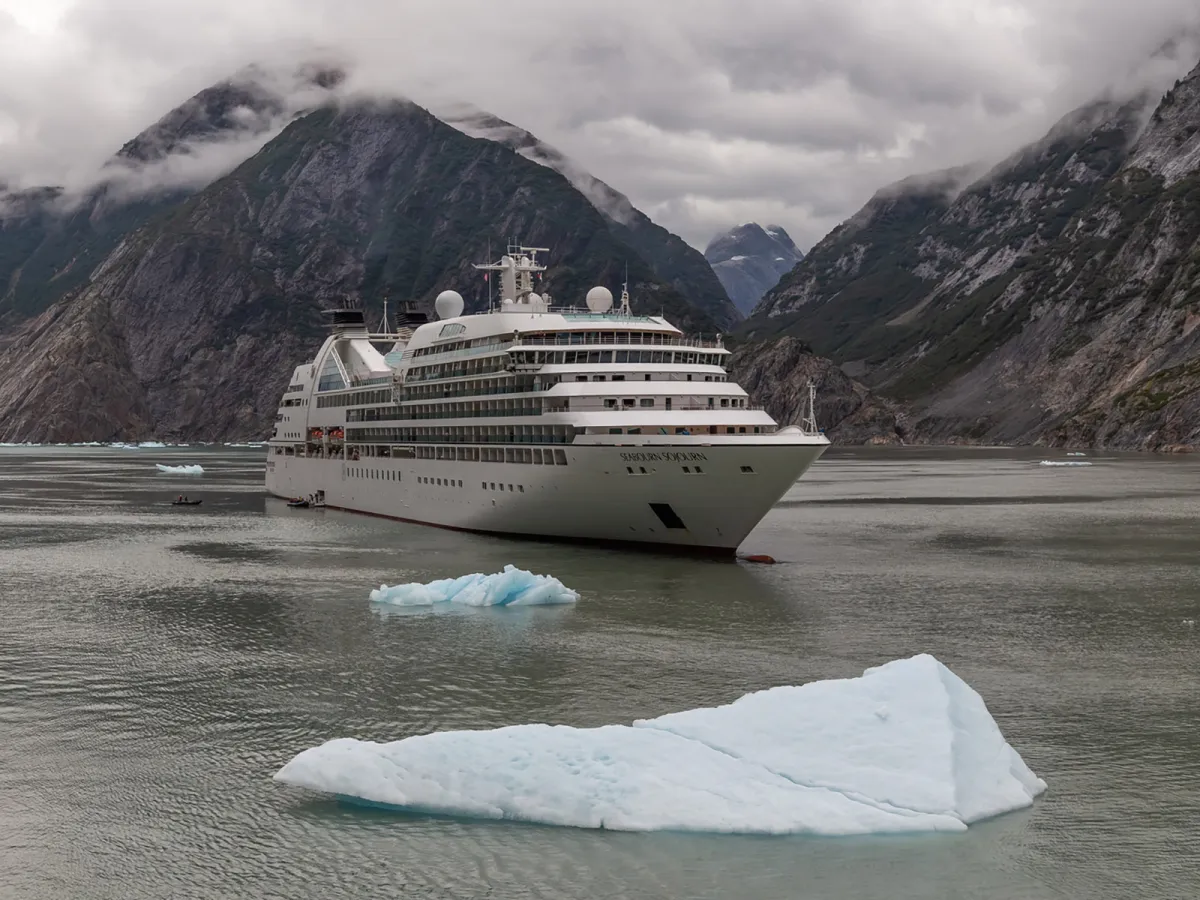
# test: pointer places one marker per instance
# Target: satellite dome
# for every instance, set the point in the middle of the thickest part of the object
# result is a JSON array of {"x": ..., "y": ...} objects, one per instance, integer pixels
[
  {"x": 448, "y": 305},
  {"x": 599, "y": 299}
]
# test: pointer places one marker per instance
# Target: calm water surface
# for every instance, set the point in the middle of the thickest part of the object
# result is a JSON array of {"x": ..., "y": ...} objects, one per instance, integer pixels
[{"x": 158, "y": 665}]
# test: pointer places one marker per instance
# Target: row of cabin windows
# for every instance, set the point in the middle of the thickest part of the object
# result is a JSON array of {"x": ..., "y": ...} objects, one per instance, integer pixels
[
  {"x": 294, "y": 401},
  {"x": 648, "y": 403},
  {"x": 551, "y": 338},
  {"x": 530, "y": 406},
  {"x": 598, "y": 357},
  {"x": 355, "y": 398},
  {"x": 485, "y": 387},
  {"x": 648, "y": 377},
  {"x": 459, "y": 368},
  {"x": 494, "y": 486},
  {"x": 685, "y": 430},
  {"x": 465, "y": 434},
  {"x": 292, "y": 388},
  {"x": 458, "y": 346}
]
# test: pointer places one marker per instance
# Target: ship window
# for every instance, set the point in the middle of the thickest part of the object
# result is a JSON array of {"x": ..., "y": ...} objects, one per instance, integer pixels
[
  {"x": 747, "y": 470},
  {"x": 483, "y": 485},
  {"x": 699, "y": 471},
  {"x": 724, "y": 402},
  {"x": 493, "y": 485},
  {"x": 618, "y": 378},
  {"x": 597, "y": 378},
  {"x": 522, "y": 487},
  {"x": 581, "y": 378},
  {"x": 686, "y": 470},
  {"x": 629, "y": 402},
  {"x": 510, "y": 487},
  {"x": 614, "y": 431},
  {"x": 629, "y": 469},
  {"x": 642, "y": 469},
  {"x": 610, "y": 404},
  {"x": 647, "y": 377}
]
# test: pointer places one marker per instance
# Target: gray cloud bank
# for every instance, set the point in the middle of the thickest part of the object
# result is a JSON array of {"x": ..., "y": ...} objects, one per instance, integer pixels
[{"x": 706, "y": 113}]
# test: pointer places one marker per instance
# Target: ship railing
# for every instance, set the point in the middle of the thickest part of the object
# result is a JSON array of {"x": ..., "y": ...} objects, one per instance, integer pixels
[
  {"x": 481, "y": 439},
  {"x": 471, "y": 414},
  {"x": 564, "y": 339}
]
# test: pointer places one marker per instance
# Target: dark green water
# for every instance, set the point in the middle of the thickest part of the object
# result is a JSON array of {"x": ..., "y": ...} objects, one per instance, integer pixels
[{"x": 158, "y": 665}]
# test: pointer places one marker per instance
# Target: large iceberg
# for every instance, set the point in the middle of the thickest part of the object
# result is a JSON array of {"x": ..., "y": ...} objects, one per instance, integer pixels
[
  {"x": 512, "y": 587},
  {"x": 906, "y": 747},
  {"x": 180, "y": 470}
]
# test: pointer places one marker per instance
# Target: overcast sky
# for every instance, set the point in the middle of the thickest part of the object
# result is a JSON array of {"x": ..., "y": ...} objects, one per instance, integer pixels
[{"x": 707, "y": 113}]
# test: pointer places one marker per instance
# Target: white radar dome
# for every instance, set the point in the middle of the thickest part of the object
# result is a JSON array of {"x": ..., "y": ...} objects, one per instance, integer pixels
[
  {"x": 448, "y": 305},
  {"x": 599, "y": 299}
]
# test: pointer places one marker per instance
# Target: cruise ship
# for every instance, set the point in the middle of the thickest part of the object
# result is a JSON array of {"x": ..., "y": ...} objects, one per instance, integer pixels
[{"x": 583, "y": 423}]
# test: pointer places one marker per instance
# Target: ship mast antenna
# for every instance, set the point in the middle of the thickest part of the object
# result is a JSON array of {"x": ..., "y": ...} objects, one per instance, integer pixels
[
  {"x": 383, "y": 325},
  {"x": 809, "y": 423},
  {"x": 625, "y": 311}
]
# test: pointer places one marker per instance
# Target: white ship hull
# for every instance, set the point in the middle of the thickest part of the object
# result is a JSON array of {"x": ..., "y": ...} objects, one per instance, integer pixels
[{"x": 592, "y": 498}]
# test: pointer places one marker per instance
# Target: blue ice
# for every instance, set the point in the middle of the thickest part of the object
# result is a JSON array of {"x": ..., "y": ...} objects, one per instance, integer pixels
[
  {"x": 905, "y": 747},
  {"x": 512, "y": 587}
]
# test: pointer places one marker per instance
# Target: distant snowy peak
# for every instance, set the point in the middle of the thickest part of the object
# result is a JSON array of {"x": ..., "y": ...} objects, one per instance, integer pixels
[{"x": 749, "y": 260}]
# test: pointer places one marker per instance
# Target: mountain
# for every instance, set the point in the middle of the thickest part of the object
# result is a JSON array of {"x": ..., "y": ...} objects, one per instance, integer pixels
[
  {"x": 777, "y": 374},
  {"x": 191, "y": 325},
  {"x": 51, "y": 240},
  {"x": 672, "y": 259},
  {"x": 1055, "y": 299},
  {"x": 749, "y": 261}
]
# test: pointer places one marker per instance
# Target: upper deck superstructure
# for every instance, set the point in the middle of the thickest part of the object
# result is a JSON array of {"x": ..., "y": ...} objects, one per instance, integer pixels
[{"x": 528, "y": 384}]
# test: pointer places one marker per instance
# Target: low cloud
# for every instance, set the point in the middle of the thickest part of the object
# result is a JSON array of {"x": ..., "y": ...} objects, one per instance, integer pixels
[{"x": 705, "y": 114}]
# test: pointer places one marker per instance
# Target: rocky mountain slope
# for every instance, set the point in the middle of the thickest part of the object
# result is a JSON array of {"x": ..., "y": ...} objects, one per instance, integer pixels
[
  {"x": 190, "y": 327},
  {"x": 1055, "y": 299},
  {"x": 672, "y": 259},
  {"x": 51, "y": 239},
  {"x": 777, "y": 374},
  {"x": 749, "y": 261}
]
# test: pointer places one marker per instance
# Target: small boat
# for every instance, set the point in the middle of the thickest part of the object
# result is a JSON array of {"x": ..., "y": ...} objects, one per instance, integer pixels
[
  {"x": 298, "y": 503},
  {"x": 186, "y": 502},
  {"x": 759, "y": 558}
]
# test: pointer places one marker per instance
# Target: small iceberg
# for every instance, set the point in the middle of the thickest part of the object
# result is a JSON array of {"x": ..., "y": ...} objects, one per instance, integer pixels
[
  {"x": 1062, "y": 463},
  {"x": 906, "y": 747},
  {"x": 180, "y": 470},
  {"x": 512, "y": 587}
]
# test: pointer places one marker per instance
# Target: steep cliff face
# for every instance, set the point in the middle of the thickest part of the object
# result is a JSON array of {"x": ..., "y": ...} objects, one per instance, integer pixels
[
  {"x": 670, "y": 257},
  {"x": 1054, "y": 300},
  {"x": 202, "y": 314},
  {"x": 50, "y": 241},
  {"x": 777, "y": 374},
  {"x": 749, "y": 261}
]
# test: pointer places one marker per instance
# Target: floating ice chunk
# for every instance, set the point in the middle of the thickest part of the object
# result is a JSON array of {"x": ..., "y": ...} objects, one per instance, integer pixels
[
  {"x": 512, "y": 587},
  {"x": 154, "y": 444},
  {"x": 180, "y": 470},
  {"x": 1060, "y": 463},
  {"x": 905, "y": 747}
]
